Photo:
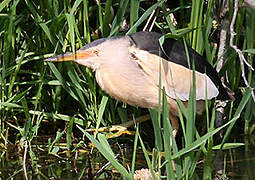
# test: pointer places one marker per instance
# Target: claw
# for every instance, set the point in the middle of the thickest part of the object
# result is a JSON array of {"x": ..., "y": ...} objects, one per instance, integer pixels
[{"x": 118, "y": 129}]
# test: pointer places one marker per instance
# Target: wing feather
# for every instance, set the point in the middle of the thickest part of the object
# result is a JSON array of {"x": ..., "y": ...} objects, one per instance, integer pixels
[
  {"x": 174, "y": 51},
  {"x": 175, "y": 78}
]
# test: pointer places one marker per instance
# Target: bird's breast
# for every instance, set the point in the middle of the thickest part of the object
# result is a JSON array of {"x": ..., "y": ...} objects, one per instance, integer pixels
[{"x": 127, "y": 84}]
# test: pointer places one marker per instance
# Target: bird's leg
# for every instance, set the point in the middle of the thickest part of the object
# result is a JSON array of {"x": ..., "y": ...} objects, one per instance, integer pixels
[
  {"x": 121, "y": 128},
  {"x": 135, "y": 121}
]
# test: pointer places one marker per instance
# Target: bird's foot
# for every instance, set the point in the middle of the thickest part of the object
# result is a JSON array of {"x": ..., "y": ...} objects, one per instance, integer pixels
[{"x": 117, "y": 131}]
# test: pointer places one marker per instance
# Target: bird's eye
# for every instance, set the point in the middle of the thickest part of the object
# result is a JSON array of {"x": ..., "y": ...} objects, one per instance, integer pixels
[{"x": 96, "y": 52}]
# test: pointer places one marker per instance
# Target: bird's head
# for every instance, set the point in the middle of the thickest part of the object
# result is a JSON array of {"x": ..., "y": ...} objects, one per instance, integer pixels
[{"x": 93, "y": 54}]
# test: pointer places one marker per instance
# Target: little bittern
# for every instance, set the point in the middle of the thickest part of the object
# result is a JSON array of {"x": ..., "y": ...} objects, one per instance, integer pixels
[{"x": 129, "y": 68}]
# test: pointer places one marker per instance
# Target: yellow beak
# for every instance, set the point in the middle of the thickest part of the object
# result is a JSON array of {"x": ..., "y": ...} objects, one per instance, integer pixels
[{"x": 80, "y": 55}]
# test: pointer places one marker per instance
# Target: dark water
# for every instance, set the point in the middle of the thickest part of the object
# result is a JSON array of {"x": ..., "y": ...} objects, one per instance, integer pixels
[
  {"x": 241, "y": 162},
  {"x": 88, "y": 164},
  {"x": 84, "y": 165}
]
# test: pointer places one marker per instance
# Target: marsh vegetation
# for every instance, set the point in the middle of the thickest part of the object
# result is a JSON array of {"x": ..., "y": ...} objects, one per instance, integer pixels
[{"x": 46, "y": 109}]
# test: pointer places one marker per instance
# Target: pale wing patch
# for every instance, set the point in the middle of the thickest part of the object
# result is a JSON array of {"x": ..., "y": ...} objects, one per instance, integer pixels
[{"x": 176, "y": 79}]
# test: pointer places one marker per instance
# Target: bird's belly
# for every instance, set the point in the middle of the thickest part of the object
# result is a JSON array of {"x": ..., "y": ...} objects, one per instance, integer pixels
[{"x": 136, "y": 91}]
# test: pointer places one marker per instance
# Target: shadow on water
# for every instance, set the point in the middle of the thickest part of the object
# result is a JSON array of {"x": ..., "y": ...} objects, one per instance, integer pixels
[{"x": 238, "y": 163}]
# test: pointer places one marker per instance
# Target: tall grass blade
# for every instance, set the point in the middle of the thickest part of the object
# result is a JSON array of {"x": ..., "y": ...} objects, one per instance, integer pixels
[
  {"x": 144, "y": 16},
  {"x": 237, "y": 114},
  {"x": 75, "y": 6},
  {"x": 69, "y": 134},
  {"x": 134, "y": 10},
  {"x": 107, "y": 155},
  {"x": 202, "y": 140},
  {"x": 86, "y": 32},
  {"x": 147, "y": 158},
  {"x": 71, "y": 22},
  {"x": 28, "y": 122},
  {"x": 157, "y": 129},
  {"x": 168, "y": 137},
  {"x": 62, "y": 81},
  {"x": 39, "y": 20},
  {"x": 52, "y": 149},
  {"x": 4, "y": 4},
  {"x": 118, "y": 19},
  {"x": 101, "y": 112},
  {"x": 107, "y": 18},
  {"x": 134, "y": 151},
  {"x": 58, "y": 116},
  {"x": 103, "y": 141}
]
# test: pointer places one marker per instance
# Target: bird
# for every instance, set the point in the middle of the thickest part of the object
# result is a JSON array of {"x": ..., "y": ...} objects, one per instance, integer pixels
[{"x": 133, "y": 67}]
